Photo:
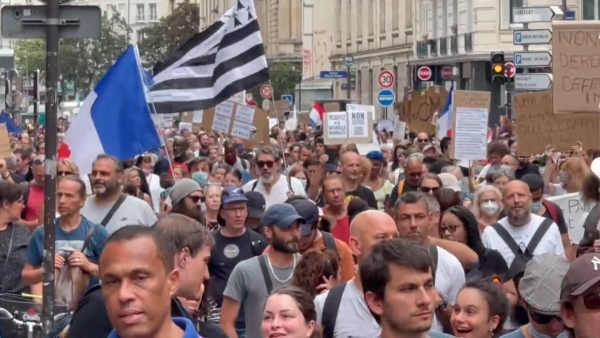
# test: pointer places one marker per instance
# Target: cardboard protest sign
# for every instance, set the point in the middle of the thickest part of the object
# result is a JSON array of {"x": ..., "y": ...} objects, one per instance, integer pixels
[
  {"x": 331, "y": 106},
  {"x": 576, "y": 66},
  {"x": 353, "y": 126},
  {"x": 418, "y": 108},
  {"x": 575, "y": 212},
  {"x": 537, "y": 126},
  {"x": 470, "y": 122},
  {"x": 249, "y": 124},
  {"x": 5, "y": 150},
  {"x": 277, "y": 108}
]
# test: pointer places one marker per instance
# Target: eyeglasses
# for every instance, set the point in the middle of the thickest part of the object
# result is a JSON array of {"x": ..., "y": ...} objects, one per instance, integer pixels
[
  {"x": 421, "y": 140},
  {"x": 542, "y": 318},
  {"x": 450, "y": 228},
  {"x": 65, "y": 173},
  {"x": 197, "y": 199},
  {"x": 262, "y": 164},
  {"x": 38, "y": 161},
  {"x": 429, "y": 189},
  {"x": 592, "y": 301}
]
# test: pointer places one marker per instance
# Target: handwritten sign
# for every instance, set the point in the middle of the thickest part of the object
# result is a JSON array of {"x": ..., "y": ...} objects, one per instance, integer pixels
[
  {"x": 419, "y": 107},
  {"x": 357, "y": 124},
  {"x": 471, "y": 111},
  {"x": 537, "y": 125},
  {"x": 249, "y": 124},
  {"x": 576, "y": 66},
  {"x": 575, "y": 212}
]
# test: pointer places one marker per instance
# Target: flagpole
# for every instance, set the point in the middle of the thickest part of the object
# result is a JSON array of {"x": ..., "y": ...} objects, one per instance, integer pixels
[
  {"x": 277, "y": 116},
  {"x": 162, "y": 141}
]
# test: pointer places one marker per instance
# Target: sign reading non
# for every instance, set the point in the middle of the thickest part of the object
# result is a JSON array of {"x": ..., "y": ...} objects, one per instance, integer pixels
[
  {"x": 386, "y": 79},
  {"x": 266, "y": 91},
  {"x": 424, "y": 73},
  {"x": 386, "y": 98}
]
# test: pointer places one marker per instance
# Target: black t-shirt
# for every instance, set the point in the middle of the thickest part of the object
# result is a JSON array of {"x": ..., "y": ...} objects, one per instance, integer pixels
[
  {"x": 528, "y": 169},
  {"x": 492, "y": 264},
  {"x": 561, "y": 223},
  {"x": 591, "y": 221},
  {"x": 363, "y": 193},
  {"x": 407, "y": 188}
]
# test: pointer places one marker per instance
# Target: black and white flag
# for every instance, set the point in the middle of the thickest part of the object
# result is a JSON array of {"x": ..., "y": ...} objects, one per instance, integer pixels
[{"x": 213, "y": 65}]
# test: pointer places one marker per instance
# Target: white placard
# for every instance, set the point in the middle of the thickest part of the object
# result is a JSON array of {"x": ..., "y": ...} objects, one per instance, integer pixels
[
  {"x": 471, "y": 133},
  {"x": 245, "y": 114},
  {"x": 357, "y": 124},
  {"x": 387, "y": 125},
  {"x": 185, "y": 125},
  {"x": 399, "y": 129},
  {"x": 221, "y": 123},
  {"x": 575, "y": 212},
  {"x": 337, "y": 125},
  {"x": 241, "y": 130},
  {"x": 365, "y": 148},
  {"x": 272, "y": 123},
  {"x": 361, "y": 107},
  {"x": 225, "y": 109},
  {"x": 197, "y": 116}
]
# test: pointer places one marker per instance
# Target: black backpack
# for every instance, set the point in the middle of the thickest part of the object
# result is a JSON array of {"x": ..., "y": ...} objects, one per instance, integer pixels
[{"x": 329, "y": 242}]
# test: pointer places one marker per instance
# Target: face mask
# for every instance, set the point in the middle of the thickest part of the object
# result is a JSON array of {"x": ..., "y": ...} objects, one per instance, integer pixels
[
  {"x": 489, "y": 208},
  {"x": 304, "y": 182},
  {"x": 536, "y": 206},
  {"x": 564, "y": 177},
  {"x": 542, "y": 170}
]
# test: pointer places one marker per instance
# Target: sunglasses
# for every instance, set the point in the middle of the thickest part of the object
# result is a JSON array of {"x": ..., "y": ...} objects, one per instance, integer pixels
[
  {"x": 541, "y": 318},
  {"x": 592, "y": 301},
  {"x": 37, "y": 161},
  {"x": 262, "y": 164},
  {"x": 428, "y": 189},
  {"x": 197, "y": 199},
  {"x": 65, "y": 173},
  {"x": 422, "y": 140}
]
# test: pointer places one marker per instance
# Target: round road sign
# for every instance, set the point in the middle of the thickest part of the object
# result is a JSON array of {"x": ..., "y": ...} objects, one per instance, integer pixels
[
  {"x": 424, "y": 73},
  {"x": 447, "y": 73},
  {"x": 509, "y": 69},
  {"x": 386, "y": 98},
  {"x": 266, "y": 91},
  {"x": 386, "y": 79}
]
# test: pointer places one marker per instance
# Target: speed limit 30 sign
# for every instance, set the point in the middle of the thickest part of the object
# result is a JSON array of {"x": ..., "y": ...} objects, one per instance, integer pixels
[{"x": 386, "y": 79}]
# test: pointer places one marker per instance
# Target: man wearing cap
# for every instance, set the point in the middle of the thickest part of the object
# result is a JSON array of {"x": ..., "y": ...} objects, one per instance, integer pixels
[
  {"x": 186, "y": 198},
  {"x": 234, "y": 243},
  {"x": 580, "y": 297},
  {"x": 253, "y": 280},
  {"x": 312, "y": 238},
  {"x": 256, "y": 210},
  {"x": 539, "y": 291}
]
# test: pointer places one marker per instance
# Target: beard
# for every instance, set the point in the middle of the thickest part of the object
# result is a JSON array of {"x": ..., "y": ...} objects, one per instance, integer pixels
[
  {"x": 518, "y": 217},
  {"x": 267, "y": 180},
  {"x": 290, "y": 247},
  {"x": 106, "y": 188},
  {"x": 195, "y": 213}
]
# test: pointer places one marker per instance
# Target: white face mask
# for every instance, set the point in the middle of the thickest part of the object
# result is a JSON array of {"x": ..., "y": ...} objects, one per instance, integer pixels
[
  {"x": 203, "y": 207},
  {"x": 489, "y": 208},
  {"x": 304, "y": 182}
]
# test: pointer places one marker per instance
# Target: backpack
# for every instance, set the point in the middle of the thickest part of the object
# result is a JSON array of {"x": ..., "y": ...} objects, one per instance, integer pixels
[
  {"x": 329, "y": 241},
  {"x": 552, "y": 210},
  {"x": 255, "y": 241},
  {"x": 521, "y": 258}
]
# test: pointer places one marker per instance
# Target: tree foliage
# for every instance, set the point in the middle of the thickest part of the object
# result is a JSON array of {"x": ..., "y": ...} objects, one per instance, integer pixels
[
  {"x": 162, "y": 38},
  {"x": 284, "y": 77},
  {"x": 81, "y": 61}
]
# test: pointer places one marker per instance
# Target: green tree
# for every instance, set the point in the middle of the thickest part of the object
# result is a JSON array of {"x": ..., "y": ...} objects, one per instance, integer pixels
[
  {"x": 29, "y": 56},
  {"x": 162, "y": 38},
  {"x": 284, "y": 77}
]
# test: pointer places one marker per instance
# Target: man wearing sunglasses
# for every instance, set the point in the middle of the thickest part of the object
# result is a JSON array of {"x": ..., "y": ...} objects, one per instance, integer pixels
[
  {"x": 186, "y": 198},
  {"x": 580, "y": 297},
  {"x": 539, "y": 291}
]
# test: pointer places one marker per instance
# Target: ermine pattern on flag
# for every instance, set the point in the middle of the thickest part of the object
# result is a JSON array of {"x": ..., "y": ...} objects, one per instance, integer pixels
[{"x": 215, "y": 64}]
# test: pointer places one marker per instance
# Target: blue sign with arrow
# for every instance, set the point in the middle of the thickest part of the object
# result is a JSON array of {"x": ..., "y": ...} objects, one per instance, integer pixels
[
  {"x": 386, "y": 98},
  {"x": 288, "y": 97}
]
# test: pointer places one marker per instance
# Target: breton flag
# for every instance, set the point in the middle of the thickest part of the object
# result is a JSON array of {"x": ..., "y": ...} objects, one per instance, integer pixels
[
  {"x": 316, "y": 115},
  {"x": 115, "y": 117},
  {"x": 212, "y": 66},
  {"x": 446, "y": 117}
]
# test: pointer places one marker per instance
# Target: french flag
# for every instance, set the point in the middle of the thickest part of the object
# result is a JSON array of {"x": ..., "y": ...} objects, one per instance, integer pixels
[
  {"x": 115, "y": 118},
  {"x": 446, "y": 117},
  {"x": 316, "y": 115}
]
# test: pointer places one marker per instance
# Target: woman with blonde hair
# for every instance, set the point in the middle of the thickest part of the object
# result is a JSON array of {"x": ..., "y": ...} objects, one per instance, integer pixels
[
  {"x": 135, "y": 179},
  {"x": 570, "y": 173},
  {"x": 487, "y": 205}
]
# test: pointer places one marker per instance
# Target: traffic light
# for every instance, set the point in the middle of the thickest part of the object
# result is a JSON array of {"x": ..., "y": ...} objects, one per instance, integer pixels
[{"x": 498, "y": 67}]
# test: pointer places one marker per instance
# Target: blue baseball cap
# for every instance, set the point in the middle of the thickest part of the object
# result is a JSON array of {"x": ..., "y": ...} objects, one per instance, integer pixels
[
  {"x": 232, "y": 195},
  {"x": 308, "y": 210},
  {"x": 281, "y": 215}
]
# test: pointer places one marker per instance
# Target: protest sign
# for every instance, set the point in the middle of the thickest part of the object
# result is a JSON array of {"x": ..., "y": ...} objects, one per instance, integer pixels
[
  {"x": 362, "y": 107},
  {"x": 575, "y": 66},
  {"x": 278, "y": 109},
  {"x": 418, "y": 108},
  {"x": 470, "y": 122},
  {"x": 575, "y": 212},
  {"x": 365, "y": 148},
  {"x": 354, "y": 126},
  {"x": 331, "y": 106},
  {"x": 249, "y": 124},
  {"x": 5, "y": 150},
  {"x": 537, "y": 126},
  {"x": 399, "y": 129}
]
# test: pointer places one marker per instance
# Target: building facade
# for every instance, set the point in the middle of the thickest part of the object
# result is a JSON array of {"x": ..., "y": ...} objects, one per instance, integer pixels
[{"x": 281, "y": 27}]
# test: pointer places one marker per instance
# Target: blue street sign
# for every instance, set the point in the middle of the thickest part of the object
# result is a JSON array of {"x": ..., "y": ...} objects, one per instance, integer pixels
[
  {"x": 570, "y": 15},
  {"x": 288, "y": 97},
  {"x": 518, "y": 37},
  {"x": 334, "y": 74},
  {"x": 386, "y": 98},
  {"x": 518, "y": 60}
]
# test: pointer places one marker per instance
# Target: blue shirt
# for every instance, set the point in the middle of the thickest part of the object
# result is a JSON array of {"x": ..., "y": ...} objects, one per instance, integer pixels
[
  {"x": 72, "y": 240},
  {"x": 189, "y": 331}
]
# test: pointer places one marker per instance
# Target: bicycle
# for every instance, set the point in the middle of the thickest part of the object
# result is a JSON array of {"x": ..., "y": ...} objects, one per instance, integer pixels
[{"x": 24, "y": 315}]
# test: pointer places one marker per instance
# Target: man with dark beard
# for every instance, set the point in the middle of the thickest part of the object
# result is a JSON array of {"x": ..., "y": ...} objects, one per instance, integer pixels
[
  {"x": 108, "y": 206},
  {"x": 180, "y": 157},
  {"x": 253, "y": 280},
  {"x": 186, "y": 198}
]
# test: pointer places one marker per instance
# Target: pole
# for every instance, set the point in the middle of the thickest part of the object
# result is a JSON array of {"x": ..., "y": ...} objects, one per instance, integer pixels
[
  {"x": 348, "y": 85},
  {"x": 300, "y": 95},
  {"x": 36, "y": 100},
  {"x": 50, "y": 138}
]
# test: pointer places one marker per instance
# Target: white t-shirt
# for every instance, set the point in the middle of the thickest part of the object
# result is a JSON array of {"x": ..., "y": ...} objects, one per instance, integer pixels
[
  {"x": 279, "y": 190},
  {"x": 449, "y": 280},
  {"x": 133, "y": 211}
]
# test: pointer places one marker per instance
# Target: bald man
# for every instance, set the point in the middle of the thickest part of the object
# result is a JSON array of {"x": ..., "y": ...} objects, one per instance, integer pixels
[
  {"x": 366, "y": 230},
  {"x": 413, "y": 170},
  {"x": 521, "y": 230},
  {"x": 422, "y": 140},
  {"x": 351, "y": 169}
]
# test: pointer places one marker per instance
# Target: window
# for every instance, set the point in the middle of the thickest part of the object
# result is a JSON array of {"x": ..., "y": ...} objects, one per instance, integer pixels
[
  {"x": 423, "y": 29},
  {"x": 395, "y": 18},
  {"x": 444, "y": 18},
  {"x": 359, "y": 26},
  {"x": 140, "y": 12},
  {"x": 349, "y": 20},
  {"x": 590, "y": 10},
  {"x": 172, "y": 6},
  {"x": 455, "y": 13},
  {"x": 139, "y": 35},
  {"x": 434, "y": 20},
  {"x": 153, "y": 16},
  {"x": 381, "y": 16},
  {"x": 507, "y": 12},
  {"x": 370, "y": 17},
  {"x": 408, "y": 14},
  {"x": 338, "y": 21}
]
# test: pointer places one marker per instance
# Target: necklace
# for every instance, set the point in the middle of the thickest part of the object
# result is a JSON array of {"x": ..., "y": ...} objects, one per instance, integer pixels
[{"x": 273, "y": 271}]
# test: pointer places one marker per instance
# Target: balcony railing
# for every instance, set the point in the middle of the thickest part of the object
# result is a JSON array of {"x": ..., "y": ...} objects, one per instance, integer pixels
[
  {"x": 468, "y": 42},
  {"x": 443, "y": 44},
  {"x": 433, "y": 50},
  {"x": 454, "y": 44},
  {"x": 422, "y": 49}
]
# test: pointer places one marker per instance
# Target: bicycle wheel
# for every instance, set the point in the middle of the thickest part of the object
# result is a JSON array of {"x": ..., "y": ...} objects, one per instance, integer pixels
[{"x": 22, "y": 308}]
